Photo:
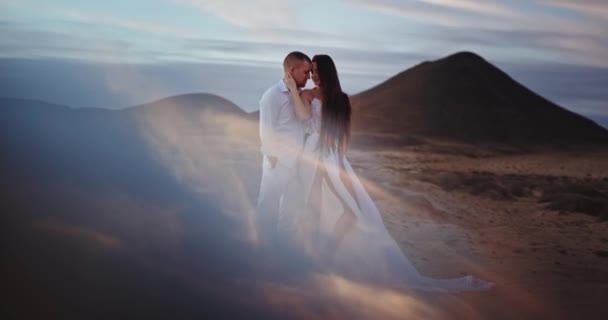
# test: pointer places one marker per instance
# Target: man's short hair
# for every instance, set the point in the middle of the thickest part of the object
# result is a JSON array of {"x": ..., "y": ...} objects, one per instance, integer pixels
[{"x": 295, "y": 57}]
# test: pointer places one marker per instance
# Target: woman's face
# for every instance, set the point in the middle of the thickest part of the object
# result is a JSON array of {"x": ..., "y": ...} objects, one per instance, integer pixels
[{"x": 315, "y": 75}]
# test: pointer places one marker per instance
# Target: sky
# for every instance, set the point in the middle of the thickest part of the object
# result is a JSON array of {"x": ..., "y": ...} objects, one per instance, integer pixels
[{"x": 119, "y": 53}]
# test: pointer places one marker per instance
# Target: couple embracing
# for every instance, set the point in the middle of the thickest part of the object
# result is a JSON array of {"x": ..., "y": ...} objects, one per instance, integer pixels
[{"x": 310, "y": 198}]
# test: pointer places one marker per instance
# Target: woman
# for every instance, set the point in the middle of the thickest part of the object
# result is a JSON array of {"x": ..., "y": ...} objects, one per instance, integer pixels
[{"x": 329, "y": 212}]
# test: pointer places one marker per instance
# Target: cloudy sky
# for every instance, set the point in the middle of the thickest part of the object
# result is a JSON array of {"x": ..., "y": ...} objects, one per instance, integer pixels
[{"x": 116, "y": 53}]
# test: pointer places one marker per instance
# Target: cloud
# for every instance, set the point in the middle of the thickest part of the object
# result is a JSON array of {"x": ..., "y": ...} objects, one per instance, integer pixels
[
  {"x": 473, "y": 14},
  {"x": 484, "y": 7},
  {"x": 408, "y": 10},
  {"x": 148, "y": 27},
  {"x": 456, "y": 14},
  {"x": 78, "y": 33},
  {"x": 593, "y": 8},
  {"x": 543, "y": 32},
  {"x": 37, "y": 43},
  {"x": 260, "y": 14},
  {"x": 520, "y": 45},
  {"x": 446, "y": 26}
]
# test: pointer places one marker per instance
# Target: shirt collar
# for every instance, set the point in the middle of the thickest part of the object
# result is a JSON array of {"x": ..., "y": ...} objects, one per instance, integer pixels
[{"x": 282, "y": 86}]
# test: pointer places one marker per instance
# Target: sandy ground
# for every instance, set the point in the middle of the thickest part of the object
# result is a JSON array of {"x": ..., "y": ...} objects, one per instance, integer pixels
[
  {"x": 459, "y": 209},
  {"x": 546, "y": 264}
]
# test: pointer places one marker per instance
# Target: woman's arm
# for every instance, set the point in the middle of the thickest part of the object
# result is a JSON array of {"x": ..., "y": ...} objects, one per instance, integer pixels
[{"x": 301, "y": 102}]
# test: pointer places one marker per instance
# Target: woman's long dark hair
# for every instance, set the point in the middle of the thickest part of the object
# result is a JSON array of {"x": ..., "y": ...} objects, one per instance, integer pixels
[{"x": 336, "y": 110}]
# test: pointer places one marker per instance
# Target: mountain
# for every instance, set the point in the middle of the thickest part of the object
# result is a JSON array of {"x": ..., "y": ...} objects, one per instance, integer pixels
[
  {"x": 48, "y": 141},
  {"x": 464, "y": 97},
  {"x": 194, "y": 102},
  {"x": 198, "y": 113}
]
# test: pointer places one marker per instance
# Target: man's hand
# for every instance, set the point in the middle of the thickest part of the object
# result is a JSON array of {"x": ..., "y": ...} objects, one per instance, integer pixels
[
  {"x": 273, "y": 161},
  {"x": 290, "y": 82}
]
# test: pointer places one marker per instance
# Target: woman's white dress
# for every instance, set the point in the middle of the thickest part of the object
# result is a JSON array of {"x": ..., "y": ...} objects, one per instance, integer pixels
[{"x": 367, "y": 252}]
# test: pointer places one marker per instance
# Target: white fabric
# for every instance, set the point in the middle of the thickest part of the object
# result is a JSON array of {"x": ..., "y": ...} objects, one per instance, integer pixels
[
  {"x": 367, "y": 252},
  {"x": 274, "y": 182},
  {"x": 282, "y": 136},
  {"x": 281, "y": 132}
]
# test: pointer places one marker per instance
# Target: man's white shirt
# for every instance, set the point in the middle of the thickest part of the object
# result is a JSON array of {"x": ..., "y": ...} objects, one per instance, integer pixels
[{"x": 281, "y": 132}]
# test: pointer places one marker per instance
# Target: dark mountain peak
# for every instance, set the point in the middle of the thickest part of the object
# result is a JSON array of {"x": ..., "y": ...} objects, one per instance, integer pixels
[
  {"x": 464, "y": 63},
  {"x": 464, "y": 56},
  {"x": 456, "y": 60},
  {"x": 462, "y": 96},
  {"x": 458, "y": 69}
]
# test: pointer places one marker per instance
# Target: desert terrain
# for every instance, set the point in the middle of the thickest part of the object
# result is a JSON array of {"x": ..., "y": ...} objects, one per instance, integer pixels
[
  {"x": 533, "y": 222},
  {"x": 148, "y": 211}
]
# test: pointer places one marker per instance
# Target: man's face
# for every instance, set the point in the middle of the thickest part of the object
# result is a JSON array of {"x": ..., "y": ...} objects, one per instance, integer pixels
[{"x": 301, "y": 73}]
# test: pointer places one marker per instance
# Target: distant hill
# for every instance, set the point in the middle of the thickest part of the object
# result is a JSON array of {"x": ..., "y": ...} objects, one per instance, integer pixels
[
  {"x": 195, "y": 101},
  {"x": 200, "y": 109},
  {"x": 464, "y": 97},
  {"x": 49, "y": 142}
]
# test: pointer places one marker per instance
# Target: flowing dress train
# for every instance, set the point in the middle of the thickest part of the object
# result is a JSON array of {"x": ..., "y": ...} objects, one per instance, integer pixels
[{"x": 367, "y": 252}]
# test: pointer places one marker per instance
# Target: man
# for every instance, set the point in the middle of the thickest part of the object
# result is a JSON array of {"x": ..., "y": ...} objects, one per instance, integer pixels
[{"x": 282, "y": 137}]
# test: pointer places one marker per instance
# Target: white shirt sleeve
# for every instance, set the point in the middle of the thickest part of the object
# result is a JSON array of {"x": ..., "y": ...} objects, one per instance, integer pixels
[{"x": 269, "y": 113}]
